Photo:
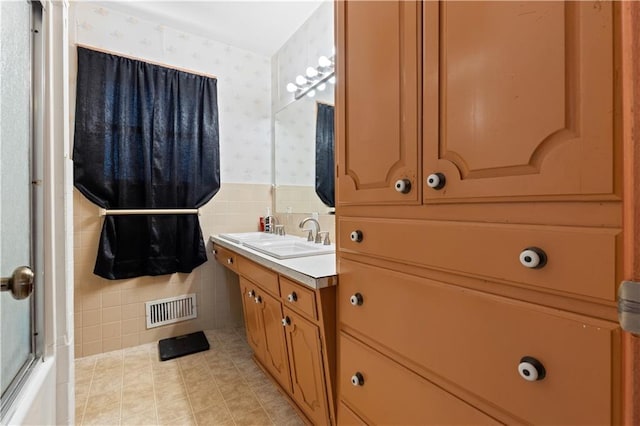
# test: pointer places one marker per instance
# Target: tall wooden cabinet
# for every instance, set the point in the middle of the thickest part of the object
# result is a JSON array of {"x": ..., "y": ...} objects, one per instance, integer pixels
[{"x": 478, "y": 212}]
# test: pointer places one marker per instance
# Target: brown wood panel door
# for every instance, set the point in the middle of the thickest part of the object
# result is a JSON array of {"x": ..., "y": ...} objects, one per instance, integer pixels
[
  {"x": 378, "y": 101},
  {"x": 307, "y": 373},
  {"x": 275, "y": 349},
  {"x": 253, "y": 326},
  {"x": 519, "y": 100}
]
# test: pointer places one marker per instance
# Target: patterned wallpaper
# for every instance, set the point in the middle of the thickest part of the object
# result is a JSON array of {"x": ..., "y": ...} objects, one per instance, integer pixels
[{"x": 244, "y": 80}]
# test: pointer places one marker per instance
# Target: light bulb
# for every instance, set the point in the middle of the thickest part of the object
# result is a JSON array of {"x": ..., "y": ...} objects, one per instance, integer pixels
[
  {"x": 312, "y": 72},
  {"x": 300, "y": 80},
  {"x": 332, "y": 80},
  {"x": 311, "y": 93},
  {"x": 322, "y": 86},
  {"x": 291, "y": 87},
  {"x": 323, "y": 61}
]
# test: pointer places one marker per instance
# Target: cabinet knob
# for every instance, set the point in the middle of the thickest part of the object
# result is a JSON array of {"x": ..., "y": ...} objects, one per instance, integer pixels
[
  {"x": 356, "y": 299},
  {"x": 531, "y": 369},
  {"x": 293, "y": 297},
  {"x": 258, "y": 299},
  {"x": 286, "y": 321},
  {"x": 230, "y": 261},
  {"x": 356, "y": 236},
  {"x": 403, "y": 186},
  {"x": 251, "y": 293},
  {"x": 436, "y": 181},
  {"x": 533, "y": 257},
  {"x": 215, "y": 251},
  {"x": 357, "y": 379}
]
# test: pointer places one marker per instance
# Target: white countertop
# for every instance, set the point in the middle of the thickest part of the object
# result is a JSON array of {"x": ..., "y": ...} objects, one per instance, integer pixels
[{"x": 314, "y": 271}]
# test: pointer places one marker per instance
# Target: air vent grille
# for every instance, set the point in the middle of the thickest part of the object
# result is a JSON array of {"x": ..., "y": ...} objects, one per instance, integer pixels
[{"x": 171, "y": 310}]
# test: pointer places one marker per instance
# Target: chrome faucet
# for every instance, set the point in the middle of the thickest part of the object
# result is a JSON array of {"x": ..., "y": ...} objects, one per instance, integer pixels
[{"x": 318, "y": 238}]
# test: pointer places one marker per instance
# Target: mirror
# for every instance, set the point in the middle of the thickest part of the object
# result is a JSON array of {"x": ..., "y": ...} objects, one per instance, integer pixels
[{"x": 295, "y": 155}]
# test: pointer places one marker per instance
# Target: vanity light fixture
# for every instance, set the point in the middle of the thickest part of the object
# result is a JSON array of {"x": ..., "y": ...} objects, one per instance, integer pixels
[{"x": 314, "y": 78}]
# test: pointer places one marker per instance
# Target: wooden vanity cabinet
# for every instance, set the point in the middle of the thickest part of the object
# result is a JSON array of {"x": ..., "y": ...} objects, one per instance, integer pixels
[
  {"x": 307, "y": 369},
  {"x": 291, "y": 330},
  {"x": 478, "y": 212}
]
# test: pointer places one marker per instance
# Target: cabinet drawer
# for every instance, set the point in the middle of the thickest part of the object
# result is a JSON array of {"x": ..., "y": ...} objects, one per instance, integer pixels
[
  {"x": 391, "y": 394},
  {"x": 477, "y": 341},
  {"x": 348, "y": 417},
  {"x": 578, "y": 260},
  {"x": 226, "y": 258},
  {"x": 298, "y": 298},
  {"x": 259, "y": 274}
]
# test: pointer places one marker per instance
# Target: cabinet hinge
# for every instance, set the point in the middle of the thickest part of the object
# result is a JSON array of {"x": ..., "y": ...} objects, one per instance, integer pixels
[{"x": 629, "y": 306}]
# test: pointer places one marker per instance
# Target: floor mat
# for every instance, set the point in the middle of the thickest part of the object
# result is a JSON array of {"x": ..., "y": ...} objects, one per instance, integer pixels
[{"x": 175, "y": 347}]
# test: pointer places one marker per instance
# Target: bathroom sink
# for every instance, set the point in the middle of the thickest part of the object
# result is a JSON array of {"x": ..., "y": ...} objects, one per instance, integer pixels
[
  {"x": 287, "y": 249},
  {"x": 242, "y": 237}
]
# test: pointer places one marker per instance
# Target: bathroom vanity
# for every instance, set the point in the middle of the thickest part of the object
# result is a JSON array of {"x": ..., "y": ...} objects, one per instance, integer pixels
[{"x": 289, "y": 310}]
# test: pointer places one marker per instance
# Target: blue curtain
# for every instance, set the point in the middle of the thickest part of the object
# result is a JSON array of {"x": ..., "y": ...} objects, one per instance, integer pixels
[
  {"x": 146, "y": 137},
  {"x": 325, "y": 175}
]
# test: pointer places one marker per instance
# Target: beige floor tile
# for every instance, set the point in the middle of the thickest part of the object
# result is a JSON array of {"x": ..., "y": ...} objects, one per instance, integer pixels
[
  {"x": 281, "y": 412},
  {"x": 194, "y": 375},
  {"x": 107, "y": 414},
  {"x": 226, "y": 376},
  {"x": 147, "y": 418},
  {"x": 107, "y": 373},
  {"x": 136, "y": 402},
  {"x": 256, "y": 417},
  {"x": 105, "y": 385},
  {"x": 96, "y": 403},
  {"x": 191, "y": 361},
  {"x": 205, "y": 396},
  {"x": 187, "y": 420},
  {"x": 257, "y": 379},
  {"x": 142, "y": 376},
  {"x": 234, "y": 390},
  {"x": 214, "y": 415},
  {"x": 172, "y": 410},
  {"x": 169, "y": 391},
  {"x": 242, "y": 404},
  {"x": 269, "y": 394}
]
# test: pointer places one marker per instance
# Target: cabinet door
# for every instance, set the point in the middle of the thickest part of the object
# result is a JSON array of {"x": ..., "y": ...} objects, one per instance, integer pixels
[
  {"x": 307, "y": 373},
  {"x": 275, "y": 349},
  {"x": 519, "y": 100},
  {"x": 253, "y": 326},
  {"x": 378, "y": 101}
]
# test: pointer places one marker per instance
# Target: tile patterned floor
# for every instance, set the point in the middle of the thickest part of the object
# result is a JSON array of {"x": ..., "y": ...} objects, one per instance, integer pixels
[{"x": 222, "y": 386}]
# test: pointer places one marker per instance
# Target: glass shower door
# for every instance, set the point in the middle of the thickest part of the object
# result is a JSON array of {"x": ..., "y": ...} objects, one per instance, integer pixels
[{"x": 17, "y": 345}]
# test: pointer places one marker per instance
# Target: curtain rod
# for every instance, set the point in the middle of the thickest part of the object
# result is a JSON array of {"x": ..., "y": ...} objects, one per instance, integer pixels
[
  {"x": 105, "y": 212},
  {"x": 109, "y": 52}
]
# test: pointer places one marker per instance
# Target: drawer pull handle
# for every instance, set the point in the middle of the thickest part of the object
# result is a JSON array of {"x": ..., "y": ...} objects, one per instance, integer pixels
[
  {"x": 356, "y": 299},
  {"x": 286, "y": 321},
  {"x": 531, "y": 369},
  {"x": 357, "y": 379},
  {"x": 258, "y": 299},
  {"x": 356, "y": 236},
  {"x": 533, "y": 257},
  {"x": 251, "y": 293},
  {"x": 403, "y": 186},
  {"x": 293, "y": 297},
  {"x": 436, "y": 181},
  {"x": 230, "y": 261}
]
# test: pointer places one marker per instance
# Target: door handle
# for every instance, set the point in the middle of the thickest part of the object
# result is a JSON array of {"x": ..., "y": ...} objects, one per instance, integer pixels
[{"x": 20, "y": 283}]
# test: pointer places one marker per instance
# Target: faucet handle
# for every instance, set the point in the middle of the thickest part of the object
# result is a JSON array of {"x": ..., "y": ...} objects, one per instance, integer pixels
[
  {"x": 310, "y": 233},
  {"x": 279, "y": 230},
  {"x": 325, "y": 241}
]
